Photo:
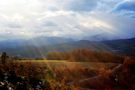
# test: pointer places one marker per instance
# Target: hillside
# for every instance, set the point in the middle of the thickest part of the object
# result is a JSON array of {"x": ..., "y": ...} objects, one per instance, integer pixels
[
  {"x": 40, "y": 47},
  {"x": 123, "y": 46}
]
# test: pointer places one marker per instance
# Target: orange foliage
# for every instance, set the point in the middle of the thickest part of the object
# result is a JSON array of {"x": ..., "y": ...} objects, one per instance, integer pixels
[{"x": 85, "y": 55}]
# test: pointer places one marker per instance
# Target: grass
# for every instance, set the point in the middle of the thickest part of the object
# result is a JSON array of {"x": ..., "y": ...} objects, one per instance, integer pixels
[
  {"x": 59, "y": 74},
  {"x": 68, "y": 64},
  {"x": 72, "y": 71}
]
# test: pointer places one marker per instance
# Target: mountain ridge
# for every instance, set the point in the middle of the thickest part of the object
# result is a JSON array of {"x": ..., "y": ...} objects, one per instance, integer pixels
[{"x": 40, "y": 49}]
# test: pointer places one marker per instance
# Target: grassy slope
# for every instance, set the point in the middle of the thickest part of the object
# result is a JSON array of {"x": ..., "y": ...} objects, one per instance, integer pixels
[{"x": 59, "y": 63}]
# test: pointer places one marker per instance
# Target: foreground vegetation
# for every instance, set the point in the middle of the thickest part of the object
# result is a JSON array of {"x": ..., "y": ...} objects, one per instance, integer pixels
[
  {"x": 45, "y": 75},
  {"x": 69, "y": 75}
]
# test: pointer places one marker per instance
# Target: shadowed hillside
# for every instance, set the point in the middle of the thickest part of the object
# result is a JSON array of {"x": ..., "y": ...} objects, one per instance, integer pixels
[{"x": 34, "y": 49}]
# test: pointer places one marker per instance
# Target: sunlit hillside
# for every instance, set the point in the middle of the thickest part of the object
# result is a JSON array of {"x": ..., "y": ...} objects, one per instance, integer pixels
[{"x": 68, "y": 74}]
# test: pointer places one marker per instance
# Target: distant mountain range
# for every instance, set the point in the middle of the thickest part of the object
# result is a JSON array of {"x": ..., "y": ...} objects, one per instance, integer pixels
[
  {"x": 122, "y": 46},
  {"x": 39, "y": 47}
]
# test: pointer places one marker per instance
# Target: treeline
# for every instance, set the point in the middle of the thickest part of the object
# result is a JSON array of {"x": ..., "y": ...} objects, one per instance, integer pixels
[{"x": 85, "y": 55}]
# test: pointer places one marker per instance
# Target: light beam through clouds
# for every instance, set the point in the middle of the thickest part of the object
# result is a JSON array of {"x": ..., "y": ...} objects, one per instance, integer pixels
[{"x": 68, "y": 18}]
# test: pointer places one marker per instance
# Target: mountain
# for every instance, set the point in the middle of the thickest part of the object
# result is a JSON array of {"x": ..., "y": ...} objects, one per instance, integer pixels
[
  {"x": 102, "y": 37},
  {"x": 50, "y": 40},
  {"x": 30, "y": 47},
  {"x": 39, "y": 47},
  {"x": 124, "y": 46},
  {"x": 39, "y": 41}
]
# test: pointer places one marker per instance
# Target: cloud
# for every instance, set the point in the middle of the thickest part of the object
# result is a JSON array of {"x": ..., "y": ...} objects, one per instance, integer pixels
[
  {"x": 126, "y": 5},
  {"x": 81, "y": 5},
  {"x": 64, "y": 18},
  {"x": 123, "y": 25},
  {"x": 125, "y": 8},
  {"x": 49, "y": 23}
]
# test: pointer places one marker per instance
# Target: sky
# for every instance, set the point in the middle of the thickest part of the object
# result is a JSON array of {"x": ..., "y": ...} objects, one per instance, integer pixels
[{"x": 76, "y": 19}]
